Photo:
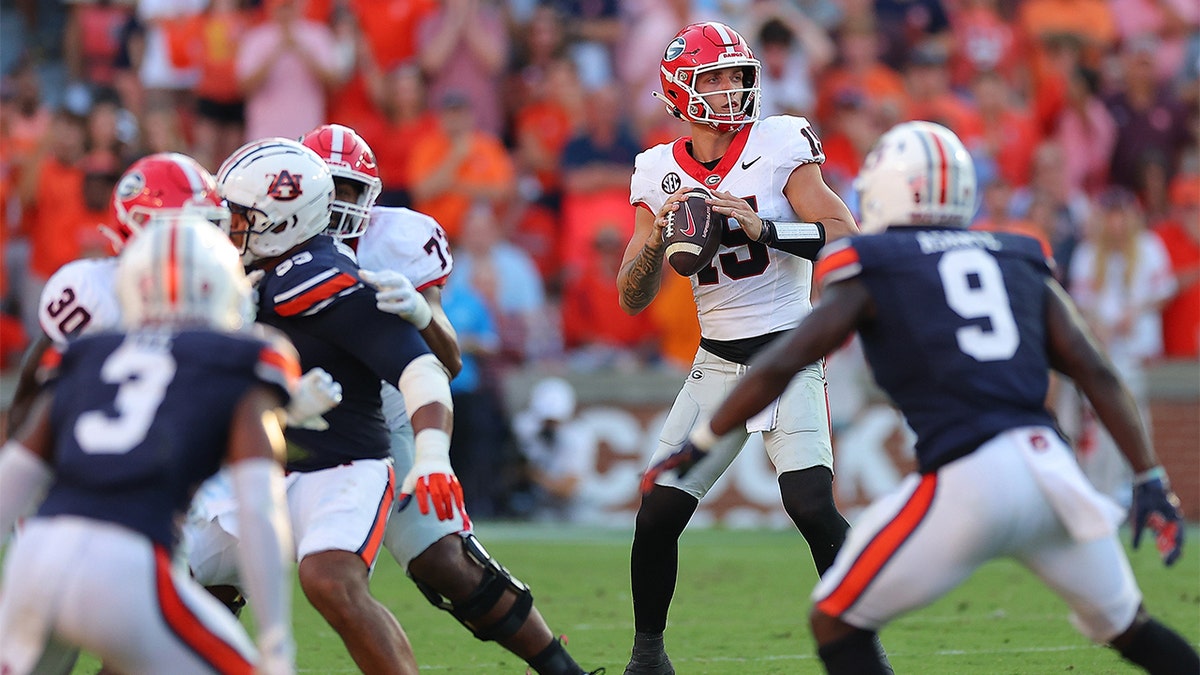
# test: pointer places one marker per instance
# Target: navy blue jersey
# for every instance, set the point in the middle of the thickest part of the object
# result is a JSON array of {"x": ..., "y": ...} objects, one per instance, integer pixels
[
  {"x": 316, "y": 298},
  {"x": 959, "y": 339},
  {"x": 140, "y": 420}
]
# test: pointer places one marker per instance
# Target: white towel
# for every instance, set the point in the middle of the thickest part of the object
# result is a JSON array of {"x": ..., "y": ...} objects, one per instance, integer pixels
[
  {"x": 1085, "y": 512},
  {"x": 765, "y": 419}
]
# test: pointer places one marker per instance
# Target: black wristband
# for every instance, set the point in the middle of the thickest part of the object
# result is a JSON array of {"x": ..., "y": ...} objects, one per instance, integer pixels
[{"x": 800, "y": 239}]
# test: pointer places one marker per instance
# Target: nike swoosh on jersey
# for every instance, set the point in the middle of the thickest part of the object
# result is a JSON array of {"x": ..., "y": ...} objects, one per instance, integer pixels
[{"x": 747, "y": 165}]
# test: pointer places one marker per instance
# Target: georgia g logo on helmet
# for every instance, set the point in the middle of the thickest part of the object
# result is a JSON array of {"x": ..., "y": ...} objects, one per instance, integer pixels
[
  {"x": 285, "y": 187},
  {"x": 675, "y": 49}
]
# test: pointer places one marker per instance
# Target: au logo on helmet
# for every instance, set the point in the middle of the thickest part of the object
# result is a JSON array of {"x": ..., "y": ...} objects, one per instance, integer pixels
[{"x": 285, "y": 187}]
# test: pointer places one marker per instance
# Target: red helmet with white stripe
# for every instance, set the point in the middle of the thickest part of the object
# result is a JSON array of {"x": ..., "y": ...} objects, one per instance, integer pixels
[
  {"x": 349, "y": 159},
  {"x": 700, "y": 48},
  {"x": 918, "y": 173},
  {"x": 164, "y": 185}
]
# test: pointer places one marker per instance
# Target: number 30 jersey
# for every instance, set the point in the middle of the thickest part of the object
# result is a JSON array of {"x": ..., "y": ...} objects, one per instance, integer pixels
[
  {"x": 958, "y": 340},
  {"x": 140, "y": 420},
  {"x": 749, "y": 289},
  {"x": 80, "y": 299}
]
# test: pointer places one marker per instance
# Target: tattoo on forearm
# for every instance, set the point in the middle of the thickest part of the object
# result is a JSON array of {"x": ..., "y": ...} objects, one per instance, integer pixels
[{"x": 644, "y": 277}]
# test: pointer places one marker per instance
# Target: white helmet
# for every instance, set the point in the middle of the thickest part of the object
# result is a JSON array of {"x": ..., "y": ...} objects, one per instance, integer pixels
[
  {"x": 918, "y": 173},
  {"x": 279, "y": 195},
  {"x": 182, "y": 271}
]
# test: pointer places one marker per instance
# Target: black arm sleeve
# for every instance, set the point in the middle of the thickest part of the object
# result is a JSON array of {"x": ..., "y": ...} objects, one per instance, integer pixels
[{"x": 799, "y": 239}]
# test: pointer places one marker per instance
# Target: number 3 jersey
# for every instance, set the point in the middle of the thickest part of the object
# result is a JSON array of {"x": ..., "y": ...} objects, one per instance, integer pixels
[
  {"x": 316, "y": 298},
  {"x": 80, "y": 298},
  {"x": 140, "y": 420},
  {"x": 749, "y": 289},
  {"x": 958, "y": 338}
]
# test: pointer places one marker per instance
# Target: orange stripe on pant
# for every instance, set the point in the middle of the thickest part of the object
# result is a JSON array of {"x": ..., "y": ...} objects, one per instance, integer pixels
[
  {"x": 191, "y": 631},
  {"x": 370, "y": 548},
  {"x": 866, "y": 568}
]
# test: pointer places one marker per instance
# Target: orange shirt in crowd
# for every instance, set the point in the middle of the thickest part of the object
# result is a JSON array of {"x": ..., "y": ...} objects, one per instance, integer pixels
[
  {"x": 488, "y": 166},
  {"x": 393, "y": 145},
  {"x": 390, "y": 27},
  {"x": 1011, "y": 141},
  {"x": 217, "y": 37},
  {"x": 1181, "y": 316},
  {"x": 674, "y": 315},
  {"x": 56, "y": 233},
  {"x": 879, "y": 85},
  {"x": 982, "y": 40},
  {"x": 550, "y": 125}
]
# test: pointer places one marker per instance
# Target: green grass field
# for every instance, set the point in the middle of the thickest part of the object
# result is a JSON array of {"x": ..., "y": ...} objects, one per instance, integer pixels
[{"x": 741, "y": 608}]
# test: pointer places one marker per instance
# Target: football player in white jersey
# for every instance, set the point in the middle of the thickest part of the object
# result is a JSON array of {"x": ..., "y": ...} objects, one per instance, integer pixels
[
  {"x": 408, "y": 258},
  {"x": 765, "y": 176}
]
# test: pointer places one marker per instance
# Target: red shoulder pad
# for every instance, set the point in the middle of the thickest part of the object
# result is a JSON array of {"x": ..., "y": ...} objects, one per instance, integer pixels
[{"x": 837, "y": 265}]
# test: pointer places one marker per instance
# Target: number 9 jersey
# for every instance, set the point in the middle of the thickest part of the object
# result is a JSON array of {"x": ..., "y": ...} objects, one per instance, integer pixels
[
  {"x": 80, "y": 298},
  {"x": 964, "y": 354}
]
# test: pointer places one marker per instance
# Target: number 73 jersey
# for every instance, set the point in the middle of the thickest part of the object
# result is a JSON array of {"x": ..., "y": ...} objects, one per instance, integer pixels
[{"x": 958, "y": 340}]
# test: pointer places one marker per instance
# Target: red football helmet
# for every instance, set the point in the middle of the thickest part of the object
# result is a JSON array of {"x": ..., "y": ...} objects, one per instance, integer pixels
[
  {"x": 349, "y": 159},
  {"x": 163, "y": 185},
  {"x": 703, "y": 47}
]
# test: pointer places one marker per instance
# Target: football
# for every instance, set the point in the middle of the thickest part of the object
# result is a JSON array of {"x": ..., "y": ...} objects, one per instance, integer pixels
[{"x": 693, "y": 233}]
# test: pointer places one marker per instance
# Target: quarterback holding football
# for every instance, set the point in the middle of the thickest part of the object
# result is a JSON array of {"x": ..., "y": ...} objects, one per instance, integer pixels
[{"x": 775, "y": 213}]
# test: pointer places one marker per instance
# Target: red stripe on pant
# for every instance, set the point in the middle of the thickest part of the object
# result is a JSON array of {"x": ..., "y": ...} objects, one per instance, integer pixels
[
  {"x": 882, "y": 547},
  {"x": 370, "y": 548},
  {"x": 211, "y": 649}
]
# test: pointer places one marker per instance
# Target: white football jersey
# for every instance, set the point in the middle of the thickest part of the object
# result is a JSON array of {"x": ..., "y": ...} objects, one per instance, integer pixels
[
  {"x": 413, "y": 244},
  {"x": 408, "y": 242},
  {"x": 80, "y": 298},
  {"x": 749, "y": 289}
]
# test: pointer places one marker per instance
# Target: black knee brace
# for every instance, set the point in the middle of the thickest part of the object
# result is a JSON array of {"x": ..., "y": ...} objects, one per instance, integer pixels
[{"x": 496, "y": 580}]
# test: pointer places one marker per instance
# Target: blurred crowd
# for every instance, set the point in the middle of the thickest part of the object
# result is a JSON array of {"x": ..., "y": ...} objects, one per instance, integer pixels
[{"x": 515, "y": 123}]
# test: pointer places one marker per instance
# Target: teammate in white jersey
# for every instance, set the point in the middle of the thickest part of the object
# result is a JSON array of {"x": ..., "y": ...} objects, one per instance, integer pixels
[{"x": 765, "y": 175}]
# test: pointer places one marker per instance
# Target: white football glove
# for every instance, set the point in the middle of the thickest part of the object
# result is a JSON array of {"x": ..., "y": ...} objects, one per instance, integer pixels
[
  {"x": 395, "y": 294},
  {"x": 316, "y": 393}
]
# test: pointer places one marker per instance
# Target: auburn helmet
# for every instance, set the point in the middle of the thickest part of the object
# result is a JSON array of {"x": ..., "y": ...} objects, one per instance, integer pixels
[
  {"x": 162, "y": 186},
  {"x": 279, "y": 194},
  {"x": 700, "y": 48},
  {"x": 350, "y": 159},
  {"x": 918, "y": 173},
  {"x": 182, "y": 271}
]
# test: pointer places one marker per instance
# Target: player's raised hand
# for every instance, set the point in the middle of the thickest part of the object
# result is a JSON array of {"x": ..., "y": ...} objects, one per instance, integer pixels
[
  {"x": 395, "y": 294},
  {"x": 433, "y": 483},
  {"x": 682, "y": 461},
  {"x": 1156, "y": 506},
  {"x": 316, "y": 394}
]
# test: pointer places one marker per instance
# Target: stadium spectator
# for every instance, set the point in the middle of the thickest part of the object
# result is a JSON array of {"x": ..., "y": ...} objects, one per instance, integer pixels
[
  {"x": 995, "y": 478},
  {"x": 858, "y": 69},
  {"x": 1064, "y": 207},
  {"x": 596, "y": 164},
  {"x": 596, "y": 333},
  {"x": 746, "y": 298},
  {"x": 401, "y": 96},
  {"x": 1180, "y": 233},
  {"x": 1168, "y": 22},
  {"x": 558, "y": 454},
  {"x": 1086, "y": 132},
  {"x": 462, "y": 47},
  {"x": 220, "y": 122},
  {"x": 849, "y": 133},
  {"x": 927, "y": 81},
  {"x": 650, "y": 24},
  {"x": 284, "y": 67},
  {"x": 458, "y": 165},
  {"x": 91, "y": 41},
  {"x": 793, "y": 50},
  {"x": 594, "y": 29},
  {"x": 505, "y": 276},
  {"x": 1010, "y": 135},
  {"x": 1150, "y": 121},
  {"x": 995, "y": 215},
  {"x": 904, "y": 25},
  {"x": 982, "y": 41},
  {"x": 1120, "y": 278},
  {"x": 167, "y": 72}
]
